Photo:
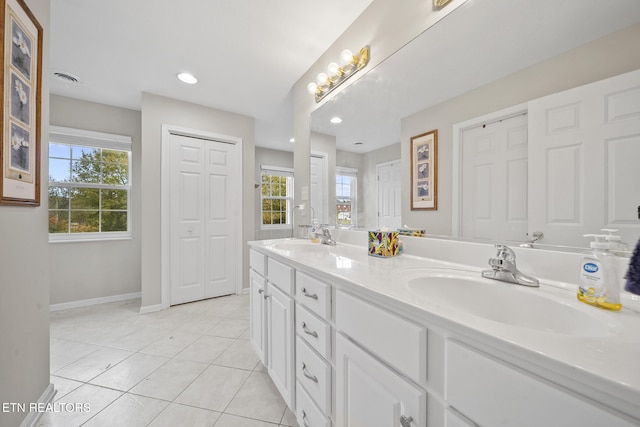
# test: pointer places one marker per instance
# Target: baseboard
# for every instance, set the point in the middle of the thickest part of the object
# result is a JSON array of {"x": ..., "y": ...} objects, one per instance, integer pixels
[
  {"x": 94, "y": 301},
  {"x": 151, "y": 308},
  {"x": 32, "y": 418}
]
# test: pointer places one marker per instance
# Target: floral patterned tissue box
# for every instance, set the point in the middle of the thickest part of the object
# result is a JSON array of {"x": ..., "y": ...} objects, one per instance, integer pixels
[{"x": 383, "y": 243}]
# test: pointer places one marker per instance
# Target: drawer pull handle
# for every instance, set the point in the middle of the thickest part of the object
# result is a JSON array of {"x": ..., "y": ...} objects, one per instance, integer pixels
[
  {"x": 266, "y": 295},
  {"x": 308, "y": 331},
  {"x": 304, "y": 419},
  {"x": 405, "y": 421},
  {"x": 307, "y": 294},
  {"x": 261, "y": 291},
  {"x": 307, "y": 374}
]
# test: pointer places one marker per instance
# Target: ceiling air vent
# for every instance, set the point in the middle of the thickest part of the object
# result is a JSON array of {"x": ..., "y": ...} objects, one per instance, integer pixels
[{"x": 66, "y": 77}]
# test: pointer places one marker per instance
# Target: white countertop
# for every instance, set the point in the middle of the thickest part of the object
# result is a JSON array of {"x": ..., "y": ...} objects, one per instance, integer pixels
[{"x": 607, "y": 365}]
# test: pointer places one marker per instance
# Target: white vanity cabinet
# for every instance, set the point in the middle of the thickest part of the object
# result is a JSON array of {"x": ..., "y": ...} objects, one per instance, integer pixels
[
  {"x": 491, "y": 392},
  {"x": 257, "y": 304},
  {"x": 371, "y": 392},
  {"x": 313, "y": 351},
  {"x": 271, "y": 320}
]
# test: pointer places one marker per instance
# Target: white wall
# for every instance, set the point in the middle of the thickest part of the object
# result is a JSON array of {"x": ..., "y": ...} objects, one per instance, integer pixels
[
  {"x": 606, "y": 57},
  {"x": 86, "y": 270},
  {"x": 156, "y": 111},
  {"x": 269, "y": 157},
  {"x": 24, "y": 276}
]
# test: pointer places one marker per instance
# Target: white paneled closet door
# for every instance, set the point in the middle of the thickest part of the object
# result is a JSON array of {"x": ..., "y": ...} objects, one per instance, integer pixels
[
  {"x": 585, "y": 161},
  {"x": 494, "y": 180},
  {"x": 202, "y": 221}
]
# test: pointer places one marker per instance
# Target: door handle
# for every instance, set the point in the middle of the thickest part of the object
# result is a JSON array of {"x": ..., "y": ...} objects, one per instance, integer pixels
[{"x": 405, "y": 421}]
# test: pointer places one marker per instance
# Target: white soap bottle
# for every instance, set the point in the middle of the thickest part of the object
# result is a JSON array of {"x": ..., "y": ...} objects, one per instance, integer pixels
[{"x": 592, "y": 289}]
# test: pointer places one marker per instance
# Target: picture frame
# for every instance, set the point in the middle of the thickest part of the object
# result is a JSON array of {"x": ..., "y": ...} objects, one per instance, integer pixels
[
  {"x": 424, "y": 171},
  {"x": 21, "y": 53}
]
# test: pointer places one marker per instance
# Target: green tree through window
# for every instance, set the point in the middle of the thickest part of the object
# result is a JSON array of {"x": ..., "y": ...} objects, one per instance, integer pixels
[
  {"x": 277, "y": 198},
  {"x": 89, "y": 189}
]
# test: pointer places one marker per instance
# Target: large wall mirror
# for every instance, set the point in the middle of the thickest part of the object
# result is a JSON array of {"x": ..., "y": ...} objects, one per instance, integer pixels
[{"x": 459, "y": 70}]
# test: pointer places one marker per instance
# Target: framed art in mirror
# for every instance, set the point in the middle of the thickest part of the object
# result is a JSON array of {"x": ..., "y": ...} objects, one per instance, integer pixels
[
  {"x": 424, "y": 171},
  {"x": 22, "y": 93}
]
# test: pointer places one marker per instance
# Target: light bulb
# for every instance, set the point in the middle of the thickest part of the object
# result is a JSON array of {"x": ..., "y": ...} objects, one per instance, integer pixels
[
  {"x": 346, "y": 57},
  {"x": 322, "y": 78},
  {"x": 187, "y": 78},
  {"x": 312, "y": 87},
  {"x": 333, "y": 69}
]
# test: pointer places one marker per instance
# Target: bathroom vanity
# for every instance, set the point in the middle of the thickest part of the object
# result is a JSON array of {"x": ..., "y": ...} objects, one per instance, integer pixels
[{"x": 421, "y": 340}]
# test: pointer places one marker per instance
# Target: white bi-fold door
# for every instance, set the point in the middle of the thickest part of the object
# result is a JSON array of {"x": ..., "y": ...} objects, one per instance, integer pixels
[
  {"x": 494, "y": 180},
  {"x": 202, "y": 219}
]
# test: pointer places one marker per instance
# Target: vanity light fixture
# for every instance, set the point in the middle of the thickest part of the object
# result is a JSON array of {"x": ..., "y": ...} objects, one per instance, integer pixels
[
  {"x": 337, "y": 74},
  {"x": 187, "y": 78},
  {"x": 440, "y": 3}
]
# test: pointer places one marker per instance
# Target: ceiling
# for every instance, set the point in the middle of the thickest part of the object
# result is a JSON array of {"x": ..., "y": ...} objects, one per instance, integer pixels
[
  {"x": 247, "y": 54},
  {"x": 478, "y": 43}
]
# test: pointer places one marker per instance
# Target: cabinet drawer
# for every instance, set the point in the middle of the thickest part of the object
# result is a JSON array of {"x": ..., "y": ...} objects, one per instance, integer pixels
[
  {"x": 280, "y": 275},
  {"x": 314, "y": 373},
  {"x": 398, "y": 341},
  {"x": 314, "y": 330},
  {"x": 490, "y": 393},
  {"x": 314, "y": 294},
  {"x": 307, "y": 412},
  {"x": 258, "y": 262}
]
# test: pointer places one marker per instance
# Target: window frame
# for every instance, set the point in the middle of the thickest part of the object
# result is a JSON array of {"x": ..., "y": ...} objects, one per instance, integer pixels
[
  {"x": 353, "y": 174},
  {"x": 278, "y": 171},
  {"x": 85, "y": 138}
]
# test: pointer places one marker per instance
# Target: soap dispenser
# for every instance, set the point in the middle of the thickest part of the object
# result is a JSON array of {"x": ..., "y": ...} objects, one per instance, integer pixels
[
  {"x": 598, "y": 275},
  {"x": 591, "y": 288}
]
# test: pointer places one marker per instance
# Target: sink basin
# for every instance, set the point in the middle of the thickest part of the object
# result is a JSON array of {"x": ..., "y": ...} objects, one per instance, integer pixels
[{"x": 509, "y": 304}]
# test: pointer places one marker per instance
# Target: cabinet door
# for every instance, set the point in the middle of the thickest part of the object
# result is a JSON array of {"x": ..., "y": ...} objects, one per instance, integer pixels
[
  {"x": 370, "y": 394},
  {"x": 257, "y": 324},
  {"x": 280, "y": 342}
]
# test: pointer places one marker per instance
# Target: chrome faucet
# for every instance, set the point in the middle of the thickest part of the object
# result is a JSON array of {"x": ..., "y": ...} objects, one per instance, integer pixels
[
  {"x": 503, "y": 267},
  {"x": 535, "y": 236},
  {"x": 325, "y": 237}
]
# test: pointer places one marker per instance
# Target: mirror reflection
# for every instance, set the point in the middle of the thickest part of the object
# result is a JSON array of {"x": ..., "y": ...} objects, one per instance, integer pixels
[{"x": 455, "y": 83}]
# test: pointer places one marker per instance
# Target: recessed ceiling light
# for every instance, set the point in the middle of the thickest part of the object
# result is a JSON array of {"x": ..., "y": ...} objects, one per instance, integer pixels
[
  {"x": 358, "y": 143},
  {"x": 292, "y": 140},
  {"x": 336, "y": 120},
  {"x": 187, "y": 78}
]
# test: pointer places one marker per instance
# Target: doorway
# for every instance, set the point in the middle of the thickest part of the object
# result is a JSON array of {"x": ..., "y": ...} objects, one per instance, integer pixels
[
  {"x": 491, "y": 176},
  {"x": 388, "y": 177},
  {"x": 201, "y": 190}
]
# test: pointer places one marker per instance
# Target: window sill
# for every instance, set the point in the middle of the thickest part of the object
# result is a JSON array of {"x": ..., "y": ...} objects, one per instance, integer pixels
[{"x": 88, "y": 237}]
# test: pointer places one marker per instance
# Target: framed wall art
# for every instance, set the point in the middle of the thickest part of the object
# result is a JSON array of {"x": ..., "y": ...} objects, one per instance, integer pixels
[
  {"x": 424, "y": 171},
  {"x": 21, "y": 49}
]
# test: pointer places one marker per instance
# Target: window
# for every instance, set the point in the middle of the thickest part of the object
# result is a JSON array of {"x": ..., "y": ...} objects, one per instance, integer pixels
[
  {"x": 276, "y": 196},
  {"x": 89, "y": 185},
  {"x": 346, "y": 180}
]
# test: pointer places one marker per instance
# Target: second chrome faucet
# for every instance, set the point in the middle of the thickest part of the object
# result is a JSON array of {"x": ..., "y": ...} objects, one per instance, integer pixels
[{"x": 503, "y": 267}]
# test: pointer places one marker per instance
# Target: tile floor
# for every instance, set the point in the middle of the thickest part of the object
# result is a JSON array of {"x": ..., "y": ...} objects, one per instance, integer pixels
[{"x": 191, "y": 365}]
